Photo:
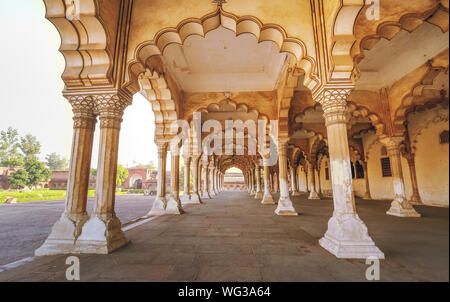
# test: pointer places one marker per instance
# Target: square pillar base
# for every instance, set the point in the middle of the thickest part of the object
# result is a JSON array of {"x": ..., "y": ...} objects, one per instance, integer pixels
[
  {"x": 195, "y": 199},
  {"x": 268, "y": 199},
  {"x": 285, "y": 207},
  {"x": 62, "y": 238},
  {"x": 402, "y": 209},
  {"x": 100, "y": 236},
  {"x": 313, "y": 195},
  {"x": 258, "y": 195},
  {"x": 347, "y": 238}
]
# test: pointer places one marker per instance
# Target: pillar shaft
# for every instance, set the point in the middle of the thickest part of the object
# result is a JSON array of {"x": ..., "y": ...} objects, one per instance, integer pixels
[
  {"x": 400, "y": 205},
  {"x": 415, "y": 198},
  {"x": 267, "y": 198},
  {"x": 366, "y": 178},
  {"x": 67, "y": 229},
  {"x": 187, "y": 179},
  {"x": 160, "y": 203},
  {"x": 347, "y": 235},
  {"x": 195, "y": 197},
  {"x": 102, "y": 233},
  {"x": 285, "y": 206},
  {"x": 313, "y": 193}
]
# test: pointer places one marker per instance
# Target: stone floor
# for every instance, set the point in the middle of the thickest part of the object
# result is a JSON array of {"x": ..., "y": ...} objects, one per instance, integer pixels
[
  {"x": 25, "y": 226},
  {"x": 234, "y": 238}
]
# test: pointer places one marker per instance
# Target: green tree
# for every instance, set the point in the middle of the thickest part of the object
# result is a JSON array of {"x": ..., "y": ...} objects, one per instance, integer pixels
[
  {"x": 56, "y": 162},
  {"x": 37, "y": 172},
  {"x": 30, "y": 147},
  {"x": 152, "y": 166},
  {"x": 9, "y": 148},
  {"x": 93, "y": 172},
  {"x": 122, "y": 174},
  {"x": 19, "y": 179}
]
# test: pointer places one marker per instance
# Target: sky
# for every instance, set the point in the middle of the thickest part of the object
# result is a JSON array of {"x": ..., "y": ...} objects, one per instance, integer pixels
[{"x": 30, "y": 89}]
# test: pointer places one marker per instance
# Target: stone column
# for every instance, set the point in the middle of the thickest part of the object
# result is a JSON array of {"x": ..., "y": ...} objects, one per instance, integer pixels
[
  {"x": 294, "y": 187},
  {"x": 267, "y": 198},
  {"x": 102, "y": 233},
  {"x": 313, "y": 193},
  {"x": 400, "y": 205},
  {"x": 206, "y": 193},
  {"x": 195, "y": 197},
  {"x": 258, "y": 194},
  {"x": 366, "y": 178},
  {"x": 159, "y": 205},
  {"x": 174, "y": 203},
  {"x": 415, "y": 198},
  {"x": 285, "y": 206},
  {"x": 67, "y": 229},
  {"x": 186, "y": 197},
  {"x": 319, "y": 181},
  {"x": 211, "y": 179},
  {"x": 347, "y": 235}
]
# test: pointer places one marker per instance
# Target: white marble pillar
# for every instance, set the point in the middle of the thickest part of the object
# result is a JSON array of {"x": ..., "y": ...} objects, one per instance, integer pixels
[
  {"x": 294, "y": 188},
  {"x": 159, "y": 205},
  {"x": 285, "y": 206},
  {"x": 206, "y": 193},
  {"x": 347, "y": 235},
  {"x": 313, "y": 193},
  {"x": 102, "y": 233},
  {"x": 400, "y": 205},
  {"x": 366, "y": 179},
  {"x": 174, "y": 203},
  {"x": 258, "y": 194},
  {"x": 415, "y": 198},
  {"x": 267, "y": 198},
  {"x": 195, "y": 196},
  {"x": 67, "y": 229},
  {"x": 186, "y": 197}
]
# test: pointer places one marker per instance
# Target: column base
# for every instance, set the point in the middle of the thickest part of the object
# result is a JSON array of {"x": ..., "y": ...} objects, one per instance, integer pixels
[
  {"x": 63, "y": 236},
  {"x": 295, "y": 193},
  {"x": 313, "y": 195},
  {"x": 195, "y": 199},
  {"x": 258, "y": 195},
  {"x": 268, "y": 199},
  {"x": 101, "y": 235},
  {"x": 158, "y": 208},
  {"x": 173, "y": 206},
  {"x": 206, "y": 195},
  {"x": 285, "y": 207},
  {"x": 347, "y": 237},
  {"x": 185, "y": 197},
  {"x": 402, "y": 209},
  {"x": 367, "y": 196},
  {"x": 415, "y": 199}
]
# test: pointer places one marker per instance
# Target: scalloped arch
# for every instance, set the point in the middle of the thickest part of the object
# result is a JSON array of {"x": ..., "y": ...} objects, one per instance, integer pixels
[
  {"x": 388, "y": 30},
  {"x": 239, "y": 25}
]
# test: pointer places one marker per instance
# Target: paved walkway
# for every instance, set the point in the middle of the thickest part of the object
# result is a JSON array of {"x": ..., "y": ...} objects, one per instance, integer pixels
[
  {"x": 234, "y": 238},
  {"x": 25, "y": 226}
]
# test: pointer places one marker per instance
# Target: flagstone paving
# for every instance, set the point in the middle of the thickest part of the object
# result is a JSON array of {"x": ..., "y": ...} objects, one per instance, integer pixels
[{"x": 234, "y": 238}]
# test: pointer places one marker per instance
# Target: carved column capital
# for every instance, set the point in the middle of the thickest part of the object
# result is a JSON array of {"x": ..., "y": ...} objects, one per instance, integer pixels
[
  {"x": 83, "y": 112},
  {"x": 162, "y": 149},
  {"x": 334, "y": 104},
  {"x": 392, "y": 145},
  {"x": 110, "y": 108}
]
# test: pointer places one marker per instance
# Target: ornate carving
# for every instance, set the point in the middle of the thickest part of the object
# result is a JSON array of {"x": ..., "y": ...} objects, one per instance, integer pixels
[
  {"x": 83, "y": 111},
  {"x": 334, "y": 105},
  {"x": 110, "y": 108}
]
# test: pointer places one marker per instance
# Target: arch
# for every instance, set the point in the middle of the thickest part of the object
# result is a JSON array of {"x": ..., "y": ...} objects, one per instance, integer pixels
[
  {"x": 239, "y": 25},
  {"x": 437, "y": 15}
]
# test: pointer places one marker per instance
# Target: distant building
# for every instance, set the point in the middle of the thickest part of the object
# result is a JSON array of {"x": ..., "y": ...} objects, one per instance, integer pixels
[{"x": 142, "y": 178}]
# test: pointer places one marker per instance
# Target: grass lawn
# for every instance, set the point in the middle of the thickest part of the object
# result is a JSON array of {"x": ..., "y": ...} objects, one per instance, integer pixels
[{"x": 38, "y": 195}]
